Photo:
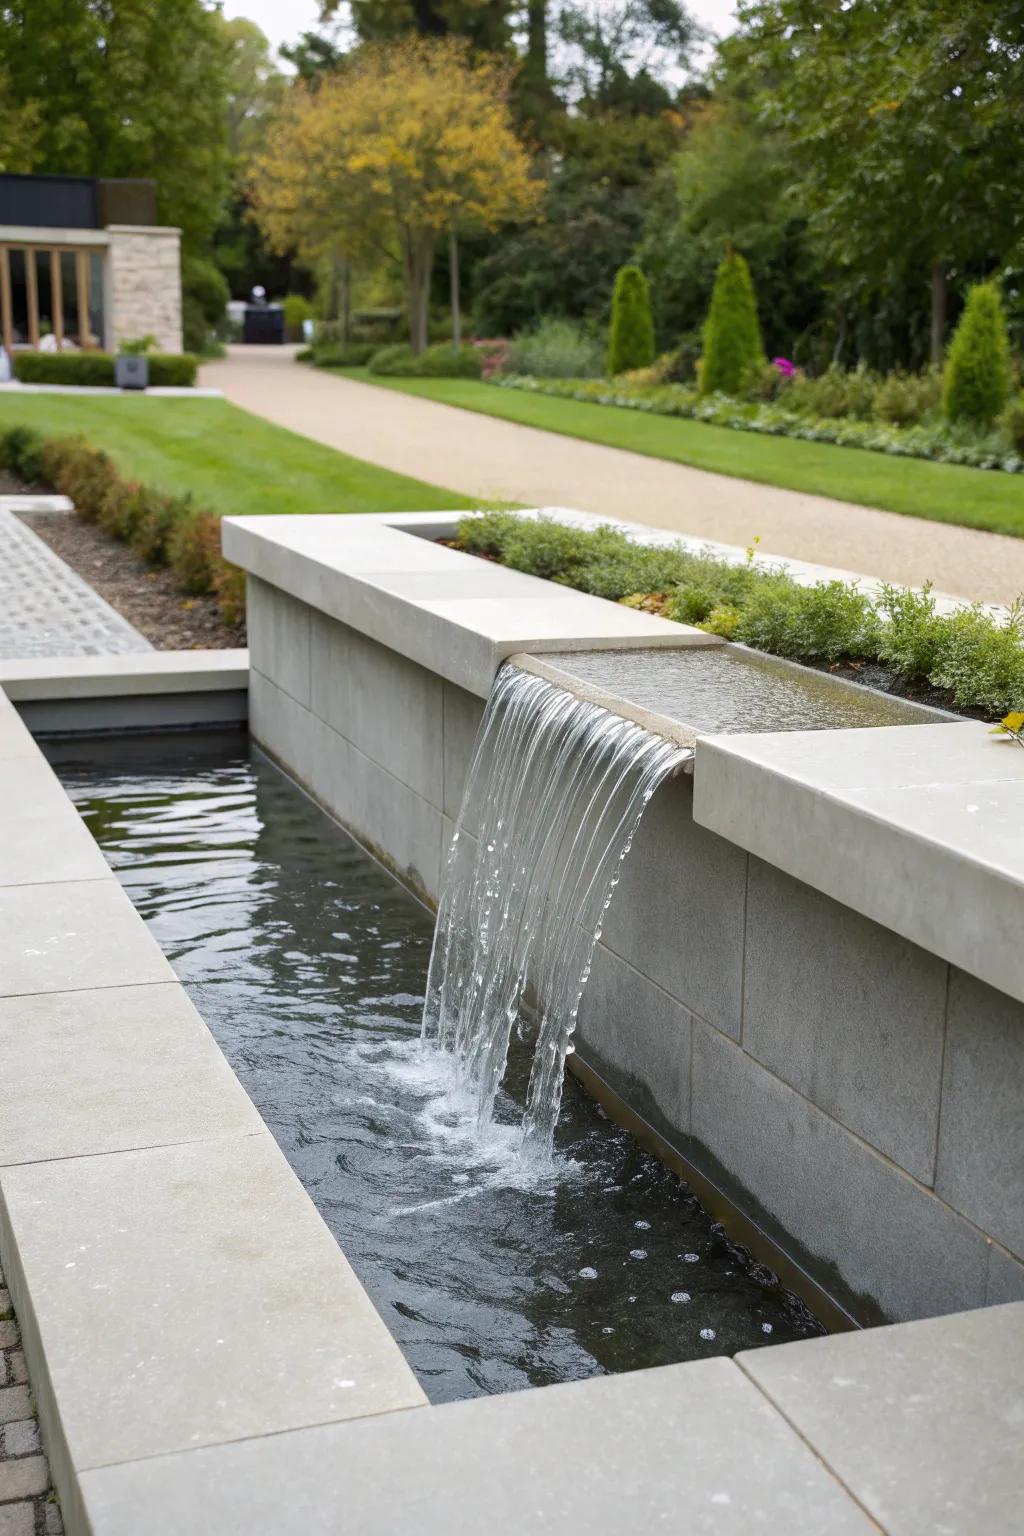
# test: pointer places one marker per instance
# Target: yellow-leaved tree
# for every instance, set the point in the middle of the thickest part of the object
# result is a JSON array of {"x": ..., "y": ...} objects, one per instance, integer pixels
[{"x": 409, "y": 144}]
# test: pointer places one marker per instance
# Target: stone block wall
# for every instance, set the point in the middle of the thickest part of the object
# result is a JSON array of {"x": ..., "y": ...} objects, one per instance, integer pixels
[
  {"x": 854, "y": 1095},
  {"x": 144, "y": 286}
]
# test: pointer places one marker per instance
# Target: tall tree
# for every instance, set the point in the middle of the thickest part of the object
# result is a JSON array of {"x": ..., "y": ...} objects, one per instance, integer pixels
[
  {"x": 404, "y": 147},
  {"x": 904, "y": 120},
  {"x": 613, "y": 44},
  {"x": 126, "y": 88}
]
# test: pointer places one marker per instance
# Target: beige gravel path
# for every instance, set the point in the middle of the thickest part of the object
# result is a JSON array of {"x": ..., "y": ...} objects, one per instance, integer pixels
[{"x": 498, "y": 460}]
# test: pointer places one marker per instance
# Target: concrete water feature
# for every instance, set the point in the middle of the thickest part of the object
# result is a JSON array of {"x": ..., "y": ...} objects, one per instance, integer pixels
[{"x": 235, "y": 1425}]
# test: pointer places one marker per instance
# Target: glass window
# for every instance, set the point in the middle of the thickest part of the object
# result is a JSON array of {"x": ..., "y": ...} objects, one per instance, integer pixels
[
  {"x": 69, "y": 295},
  {"x": 19, "y": 298}
]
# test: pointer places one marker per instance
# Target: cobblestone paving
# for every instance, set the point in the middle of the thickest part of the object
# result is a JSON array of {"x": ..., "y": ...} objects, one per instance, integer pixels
[
  {"x": 27, "y": 1503},
  {"x": 47, "y": 610}
]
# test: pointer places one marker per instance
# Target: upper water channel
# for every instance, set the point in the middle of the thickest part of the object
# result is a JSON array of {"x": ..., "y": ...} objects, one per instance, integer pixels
[{"x": 309, "y": 963}]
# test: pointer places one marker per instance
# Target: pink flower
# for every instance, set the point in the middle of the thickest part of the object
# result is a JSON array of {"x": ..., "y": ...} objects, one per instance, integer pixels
[{"x": 785, "y": 367}]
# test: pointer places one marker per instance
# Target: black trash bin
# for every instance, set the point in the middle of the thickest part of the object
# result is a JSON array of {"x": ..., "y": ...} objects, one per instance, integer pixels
[{"x": 263, "y": 324}]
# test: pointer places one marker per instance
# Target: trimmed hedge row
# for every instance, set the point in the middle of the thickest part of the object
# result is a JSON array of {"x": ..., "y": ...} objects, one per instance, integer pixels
[
  {"x": 163, "y": 529},
  {"x": 941, "y": 443},
  {"x": 96, "y": 369}
]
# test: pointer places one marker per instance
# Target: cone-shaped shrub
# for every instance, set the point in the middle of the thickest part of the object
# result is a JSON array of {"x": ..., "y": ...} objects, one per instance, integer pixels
[
  {"x": 732, "y": 333},
  {"x": 631, "y": 343},
  {"x": 978, "y": 369}
]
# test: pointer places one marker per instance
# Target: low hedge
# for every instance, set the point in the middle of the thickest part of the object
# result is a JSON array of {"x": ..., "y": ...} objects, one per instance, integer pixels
[
  {"x": 940, "y": 442},
  {"x": 975, "y": 662},
  {"x": 96, "y": 369},
  {"x": 164, "y": 529},
  {"x": 443, "y": 361}
]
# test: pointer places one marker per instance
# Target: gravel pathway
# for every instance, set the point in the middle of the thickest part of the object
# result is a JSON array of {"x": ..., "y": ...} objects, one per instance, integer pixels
[
  {"x": 498, "y": 460},
  {"x": 45, "y": 609}
]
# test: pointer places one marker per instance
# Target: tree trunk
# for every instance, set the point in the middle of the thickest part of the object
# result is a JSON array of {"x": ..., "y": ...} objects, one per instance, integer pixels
[
  {"x": 938, "y": 313},
  {"x": 346, "y": 300},
  {"x": 537, "y": 44},
  {"x": 453, "y": 274},
  {"x": 418, "y": 261}
]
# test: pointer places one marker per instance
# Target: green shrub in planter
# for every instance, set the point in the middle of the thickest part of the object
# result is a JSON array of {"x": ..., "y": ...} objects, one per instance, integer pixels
[
  {"x": 732, "y": 333},
  {"x": 631, "y": 338},
  {"x": 96, "y": 369},
  {"x": 154, "y": 525},
  {"x": 978, "y": 369}
]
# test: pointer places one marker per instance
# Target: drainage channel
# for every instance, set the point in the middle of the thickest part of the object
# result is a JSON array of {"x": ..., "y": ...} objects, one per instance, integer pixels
[{"x": 309, "y": 964}]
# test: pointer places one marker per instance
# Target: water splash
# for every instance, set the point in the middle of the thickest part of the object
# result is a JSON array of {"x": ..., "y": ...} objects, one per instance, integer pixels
[{"x": 554, "y": 795}]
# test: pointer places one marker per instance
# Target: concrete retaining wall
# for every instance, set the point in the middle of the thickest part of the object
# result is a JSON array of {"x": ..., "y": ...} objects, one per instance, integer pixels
[{"x": 856, "y": 1095}]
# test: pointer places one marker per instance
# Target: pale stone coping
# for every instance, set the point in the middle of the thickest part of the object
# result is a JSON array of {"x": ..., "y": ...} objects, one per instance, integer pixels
[
  {"x": 904, "y": 1430},
  {"x": 31, "y": 234},
  {"x": 36, "y": 504},
  {"x": 436, "y": 606},
  {"x": 146, "y": 672},
  {"x": 920, "y": 828},
  {"x": 175, "y": 1284},
  {"x": 170, "y": 230}
]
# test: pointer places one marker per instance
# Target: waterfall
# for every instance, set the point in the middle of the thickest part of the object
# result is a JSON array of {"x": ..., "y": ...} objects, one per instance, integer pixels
[{"x": 554, "y": 795}]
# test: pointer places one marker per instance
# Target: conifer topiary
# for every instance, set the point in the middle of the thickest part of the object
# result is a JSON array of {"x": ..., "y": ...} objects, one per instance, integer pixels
[
  {"x": 631, "y": 342},
  {"x": 978, "y": 368},
  {"x": 732, "y": 332}
]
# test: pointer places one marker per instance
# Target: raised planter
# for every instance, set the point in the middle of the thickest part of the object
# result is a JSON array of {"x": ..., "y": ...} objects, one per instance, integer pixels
[{"x": 809, "y": 980}]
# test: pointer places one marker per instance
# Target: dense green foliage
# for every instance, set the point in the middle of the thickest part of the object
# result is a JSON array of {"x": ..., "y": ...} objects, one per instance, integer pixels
[
  {"x": 128, "y": 88},
  {"x": 978, "y": 371},
  {"x": 631, "y": 335},
  {"x": 96, "y": 369},
  {"x": 732, "y": 333},
  {"x": 557, "y": 349},
  {"x": 976, "y": 661},
  {"x": 442, "y": 361}
]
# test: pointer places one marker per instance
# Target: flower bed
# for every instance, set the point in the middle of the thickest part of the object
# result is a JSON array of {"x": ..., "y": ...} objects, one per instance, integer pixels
[
  {"x": 966, "y": 660},
  {"x": 164, "y": 530},
  {"x": 940, "y": 442}
]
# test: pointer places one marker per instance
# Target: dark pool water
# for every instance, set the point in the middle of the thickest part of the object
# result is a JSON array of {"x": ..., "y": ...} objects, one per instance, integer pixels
[{"x": 308, "y": 963}]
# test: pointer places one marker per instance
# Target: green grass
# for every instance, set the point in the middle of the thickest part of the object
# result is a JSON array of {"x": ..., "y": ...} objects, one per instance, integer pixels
[
  {"x": 944, "y": 493},
  {"x": 231, "y": 461}
]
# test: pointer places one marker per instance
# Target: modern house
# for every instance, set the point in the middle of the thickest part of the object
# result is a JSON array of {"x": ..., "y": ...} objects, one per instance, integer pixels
[{"x": 84, "y": 263}]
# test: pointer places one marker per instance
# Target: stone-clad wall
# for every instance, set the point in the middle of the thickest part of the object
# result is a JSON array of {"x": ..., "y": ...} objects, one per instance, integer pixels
[
  {"x": 144, "y": 276},
  {"x": 855, "y": 1095}
]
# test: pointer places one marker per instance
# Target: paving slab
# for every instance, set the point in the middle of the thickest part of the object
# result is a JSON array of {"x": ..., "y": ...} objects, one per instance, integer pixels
[
  {"x": 688, "y": 1448},
  {"x": 42, "y": 836},
  {"x": 46, "y": 609},
  {"x": 128, "y": 1067},
  {"x": 68, "y": 936},
  {"x": 186, "y": 1296},
  {"x": 924, "y": 1423}
]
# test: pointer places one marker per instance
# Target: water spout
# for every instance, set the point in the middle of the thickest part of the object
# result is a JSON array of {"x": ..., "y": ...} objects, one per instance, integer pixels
[{"x": 554, "y": 795}]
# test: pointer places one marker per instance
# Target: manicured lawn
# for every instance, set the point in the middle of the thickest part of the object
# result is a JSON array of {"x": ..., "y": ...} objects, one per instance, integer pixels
[
  {"x": 945, "y": 493},
  {"x": 231, "y": 461}
]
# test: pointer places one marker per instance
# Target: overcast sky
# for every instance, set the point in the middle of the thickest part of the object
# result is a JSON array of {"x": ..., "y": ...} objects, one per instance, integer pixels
[{"x": 284, "y": 20}]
